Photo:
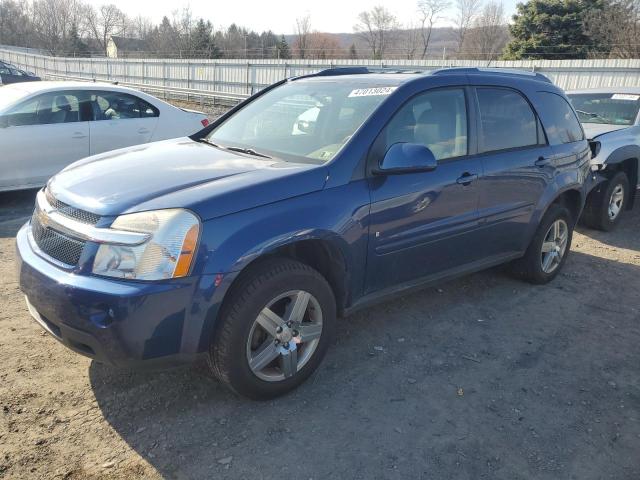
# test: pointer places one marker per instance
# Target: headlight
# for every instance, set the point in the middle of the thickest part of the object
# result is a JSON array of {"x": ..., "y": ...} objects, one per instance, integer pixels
[{"x": 168, "y": 253}]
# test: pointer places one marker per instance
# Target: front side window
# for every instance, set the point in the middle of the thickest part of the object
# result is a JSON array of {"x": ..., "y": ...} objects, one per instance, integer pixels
[
  {"x": 610, "y": 108},
  {"x": 561, "y": 123},
  {"x": 119, "y": 106},
  {"x": 302, "y": 121},
  {"x": 48, "y": 108},
  {"x": 506, "y": 120},
  {"x": 436, "y": 119}
]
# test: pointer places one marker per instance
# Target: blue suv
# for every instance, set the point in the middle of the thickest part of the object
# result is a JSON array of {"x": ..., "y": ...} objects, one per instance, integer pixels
[{"x": 315, "y": 197}]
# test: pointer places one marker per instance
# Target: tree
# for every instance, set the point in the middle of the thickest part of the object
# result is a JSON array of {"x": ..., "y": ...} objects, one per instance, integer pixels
[
  {"x": 75, "y": 45},
  {"x": 104, "y": 22},
  {"x": 15, "y": 25},
  {"x": 303, "y": 31},
  {"x": 284, "y": 52},
  {"x": 377, "y": 28},
  {"x": 323, "y": 45},
  {"x": 52, "y": 21},
  {"x": 467, "y": 11},
  {"x": 489, "y": 35},
  {"x": 353, "y": 53},
  {"x": 411, "y": 39},
  {"x": 430, "y": 11},
  {"x": 553, "y": 29},
  {"x": 202, "y": 41},
  {"x": 615, "y": 28}
]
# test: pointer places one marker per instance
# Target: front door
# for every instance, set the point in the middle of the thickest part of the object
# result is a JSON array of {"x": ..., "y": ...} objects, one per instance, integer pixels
[
  {"x": 40, "y": 137},
  {"x": 422, "y": 224}
]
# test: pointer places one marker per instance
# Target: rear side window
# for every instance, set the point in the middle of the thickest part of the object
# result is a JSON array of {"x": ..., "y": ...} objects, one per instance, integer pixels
[
  {"x": 561, "y": 123},
  {"x": 507, "y": 120},
  {"x": 120, "y": 106}
]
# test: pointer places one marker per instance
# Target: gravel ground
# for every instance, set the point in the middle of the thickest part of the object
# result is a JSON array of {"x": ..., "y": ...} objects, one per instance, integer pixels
[{"x": 483, "y": 377}]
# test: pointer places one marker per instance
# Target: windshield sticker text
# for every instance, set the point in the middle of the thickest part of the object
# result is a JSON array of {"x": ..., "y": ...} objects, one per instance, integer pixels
[{"x": 371, "y": 92}]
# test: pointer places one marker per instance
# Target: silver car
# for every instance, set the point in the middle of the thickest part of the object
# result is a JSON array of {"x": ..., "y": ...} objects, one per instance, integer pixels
[{"x": 611, "y": 120}]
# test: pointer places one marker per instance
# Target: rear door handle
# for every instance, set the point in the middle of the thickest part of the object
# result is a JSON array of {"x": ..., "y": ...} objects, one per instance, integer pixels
[
  {"x": 543, "y": 162},
  {"x": 143, "y": 130},
  {"x": 79, "y": 135},
  {"x": 467, "y": 178}
]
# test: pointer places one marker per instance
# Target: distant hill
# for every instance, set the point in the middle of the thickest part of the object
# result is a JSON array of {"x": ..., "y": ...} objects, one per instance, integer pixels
[{"x": 441, "y": 38}]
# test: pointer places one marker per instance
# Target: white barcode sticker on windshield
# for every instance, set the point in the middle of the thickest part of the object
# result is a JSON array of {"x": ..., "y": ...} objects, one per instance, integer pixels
[
  {"x": 371, "y": 92},
  {"x": 625, "y": 96}
]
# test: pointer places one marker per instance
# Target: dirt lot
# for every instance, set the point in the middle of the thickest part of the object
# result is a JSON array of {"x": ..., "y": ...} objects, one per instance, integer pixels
[{"x": 484, "y": 377}]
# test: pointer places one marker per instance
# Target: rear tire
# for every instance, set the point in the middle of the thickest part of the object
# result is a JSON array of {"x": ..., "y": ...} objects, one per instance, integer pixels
[
  {"x": 549, "y": 248},
  {"x": 254, "y": 352},
  {"x": 607, "y": 202}
]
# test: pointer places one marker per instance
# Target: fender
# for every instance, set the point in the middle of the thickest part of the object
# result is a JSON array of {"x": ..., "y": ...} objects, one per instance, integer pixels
[{"x": 623, "y": 153}]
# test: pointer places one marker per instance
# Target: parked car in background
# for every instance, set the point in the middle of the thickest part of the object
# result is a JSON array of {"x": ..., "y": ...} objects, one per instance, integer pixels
[
  {"x": 12, "y": 74},
  {"x": 242, "y": 243},
  {"x": 45, "y": 126},
  {"x": 611, "y": 120}
]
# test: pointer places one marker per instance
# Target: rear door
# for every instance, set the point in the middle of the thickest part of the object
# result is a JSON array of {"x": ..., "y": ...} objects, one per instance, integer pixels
[
  {"x": 120, "y": 120},
  {"x": 423, "y": 224},
  {"x": 42, "y": 135},
  {"x": 513, "y": 150}
]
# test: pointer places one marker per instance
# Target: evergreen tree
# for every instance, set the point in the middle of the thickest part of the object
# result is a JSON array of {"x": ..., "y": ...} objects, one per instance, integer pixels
[
  {"x": 552, "y": 29},
  {"x": 75, "y": 46},
  {"x": 283, "y": 48},
  {"x": 203, "y": 42},
  {"x": 353, "y": 53}
]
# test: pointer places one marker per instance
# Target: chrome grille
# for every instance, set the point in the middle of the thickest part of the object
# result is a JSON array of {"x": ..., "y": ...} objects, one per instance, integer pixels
[
  {"x": 60, "y": 247},
  {"x": 72, "y": 212}
]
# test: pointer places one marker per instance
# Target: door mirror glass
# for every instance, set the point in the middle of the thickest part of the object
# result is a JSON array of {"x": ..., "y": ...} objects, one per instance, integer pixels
[{"x": 407, "y": 158}]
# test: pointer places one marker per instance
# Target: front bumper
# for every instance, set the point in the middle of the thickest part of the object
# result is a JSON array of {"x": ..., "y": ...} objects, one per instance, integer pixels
[{"x": 123, "y": 323}]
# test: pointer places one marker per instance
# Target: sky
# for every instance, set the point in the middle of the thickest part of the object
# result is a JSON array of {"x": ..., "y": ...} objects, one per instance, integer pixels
[{"x": 336, "y": 16}]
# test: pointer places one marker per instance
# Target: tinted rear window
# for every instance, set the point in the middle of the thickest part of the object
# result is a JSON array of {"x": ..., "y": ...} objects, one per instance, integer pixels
[
  {"x": 560, "y": 122},
  {"x": 507, "y": 120}
]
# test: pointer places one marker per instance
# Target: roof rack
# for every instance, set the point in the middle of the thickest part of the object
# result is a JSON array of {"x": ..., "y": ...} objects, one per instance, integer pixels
[
  {"x": 497, "y": 71},
  {"x": 329, "y": 72}
]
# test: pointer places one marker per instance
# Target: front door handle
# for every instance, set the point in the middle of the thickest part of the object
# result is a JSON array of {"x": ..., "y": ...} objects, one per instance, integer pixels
[
  {"x": 466, "y": 178},
  {"x": 79, "y": 135},
  {"x": 143, "y": 130},
  {"x": 543, "y": 162}
]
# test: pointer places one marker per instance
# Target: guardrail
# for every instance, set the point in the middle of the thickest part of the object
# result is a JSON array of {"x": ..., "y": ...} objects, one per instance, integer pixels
[
  {"x": 188, "y": 94},
  {"x": 231, "y": 77}
]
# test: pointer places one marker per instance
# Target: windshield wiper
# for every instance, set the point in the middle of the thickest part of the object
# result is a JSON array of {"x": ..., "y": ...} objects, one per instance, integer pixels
[
  {"x": 209, "y": 142},
  {"x": 590, "y": 114},
  {"x": 248, "y": 151}
]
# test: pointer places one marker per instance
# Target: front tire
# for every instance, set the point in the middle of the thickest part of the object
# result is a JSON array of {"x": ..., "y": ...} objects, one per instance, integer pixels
[
  {"x": 606, "y": 204},
  {"x": 274, "y": 330},
  {"x": 549, "y": 248}
]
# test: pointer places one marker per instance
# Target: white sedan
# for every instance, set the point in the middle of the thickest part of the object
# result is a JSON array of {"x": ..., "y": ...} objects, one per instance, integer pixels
[{"x": 45, "y": 126}]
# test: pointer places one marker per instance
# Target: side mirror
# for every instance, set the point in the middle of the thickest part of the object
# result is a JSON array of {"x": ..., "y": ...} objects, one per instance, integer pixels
[{"x": 407, "y": 158}]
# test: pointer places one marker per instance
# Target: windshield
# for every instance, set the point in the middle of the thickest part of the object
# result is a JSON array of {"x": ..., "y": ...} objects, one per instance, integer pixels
[
  {"x": 610, "y": 108},
  {"x": 303, "y": 121}
]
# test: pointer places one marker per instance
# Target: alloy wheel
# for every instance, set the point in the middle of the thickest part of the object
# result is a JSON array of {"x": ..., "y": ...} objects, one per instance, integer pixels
[
  {"x": 615, "y": 202},
  {"x": 554, "y": 246},
  {"x": 284, "y": 336}
]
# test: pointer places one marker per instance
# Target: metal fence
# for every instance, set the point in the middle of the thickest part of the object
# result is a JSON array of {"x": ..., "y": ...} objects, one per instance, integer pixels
[{"x": 244, "y": 77}]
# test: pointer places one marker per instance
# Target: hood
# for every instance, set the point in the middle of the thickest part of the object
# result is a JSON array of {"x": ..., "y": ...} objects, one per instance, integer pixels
[
  {"x": 592, "y": 130},
  {"x": 181, "y": 173}
]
